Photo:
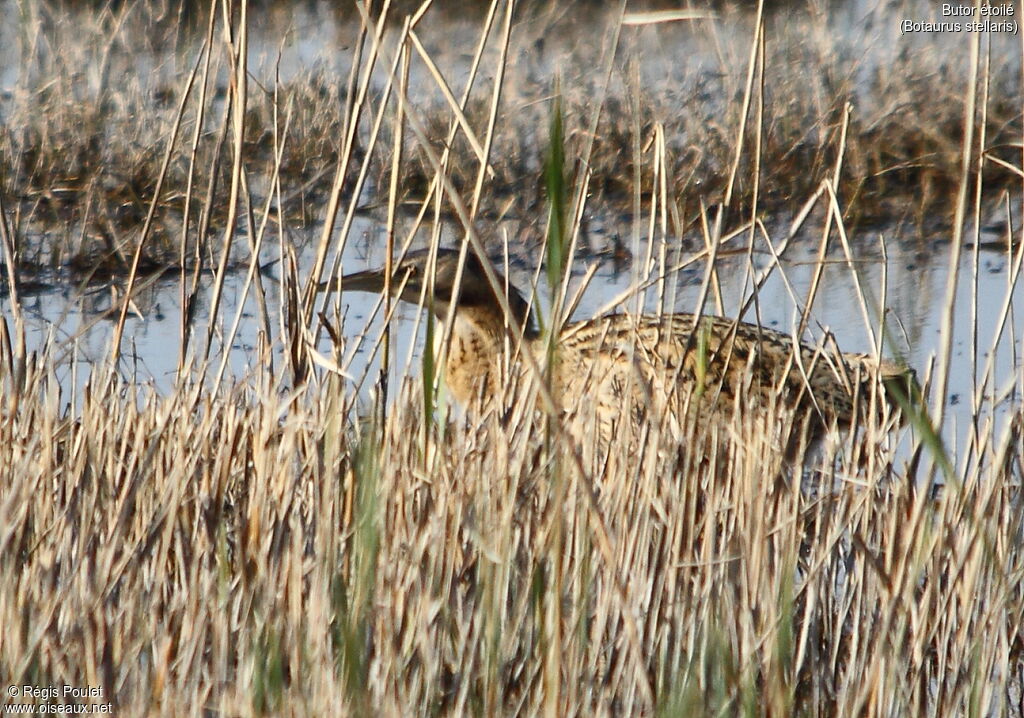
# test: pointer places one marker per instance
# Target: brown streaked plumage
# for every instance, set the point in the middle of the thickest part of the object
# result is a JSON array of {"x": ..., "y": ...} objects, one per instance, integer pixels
[{"x": 626, "y": 365}]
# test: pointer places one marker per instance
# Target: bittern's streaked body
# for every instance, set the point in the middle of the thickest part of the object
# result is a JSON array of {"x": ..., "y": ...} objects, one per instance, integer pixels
[{"x": 623, "y": 365}]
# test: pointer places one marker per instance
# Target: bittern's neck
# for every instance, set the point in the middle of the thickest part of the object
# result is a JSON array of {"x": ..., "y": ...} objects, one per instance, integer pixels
[
  {"x": 484, "y": 312},
  {"x": 481, "y": 333}
]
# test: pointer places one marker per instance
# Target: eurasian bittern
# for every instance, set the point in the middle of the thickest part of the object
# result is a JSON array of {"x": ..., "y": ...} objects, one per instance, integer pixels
[{"x": 624, "y": 365}]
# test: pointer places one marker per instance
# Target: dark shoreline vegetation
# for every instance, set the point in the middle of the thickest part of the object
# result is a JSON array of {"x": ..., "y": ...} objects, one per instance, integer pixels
[
  {"x": 305, "y": 536},
  {"x": 81, "y": 155}
]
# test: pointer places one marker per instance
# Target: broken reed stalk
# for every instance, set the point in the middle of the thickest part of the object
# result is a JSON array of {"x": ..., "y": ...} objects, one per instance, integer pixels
[{"x": 298, "y": 559}]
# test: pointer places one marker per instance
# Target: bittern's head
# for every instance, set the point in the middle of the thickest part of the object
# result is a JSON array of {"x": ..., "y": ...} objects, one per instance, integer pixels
[{"x": 411, "y": 275}]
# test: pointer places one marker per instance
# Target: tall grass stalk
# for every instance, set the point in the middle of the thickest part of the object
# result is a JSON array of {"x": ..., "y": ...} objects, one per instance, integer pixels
[{"x": 269, "y": 545}]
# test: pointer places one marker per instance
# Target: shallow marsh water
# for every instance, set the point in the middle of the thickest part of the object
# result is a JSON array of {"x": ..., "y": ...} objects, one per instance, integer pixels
[
  {"x": 677, "y": 62},
  {"x": 80, "y": 320}
]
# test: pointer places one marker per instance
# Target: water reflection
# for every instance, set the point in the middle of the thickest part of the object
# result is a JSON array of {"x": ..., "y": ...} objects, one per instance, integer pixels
[
  {"x": 675, "y": 64},
  {"x": 911, "y": 283}
]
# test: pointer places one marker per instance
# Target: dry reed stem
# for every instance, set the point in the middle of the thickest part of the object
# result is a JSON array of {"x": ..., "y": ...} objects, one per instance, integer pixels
[
  {"x": 261, "y": 548},
  {"x": 749, "y": 586}
]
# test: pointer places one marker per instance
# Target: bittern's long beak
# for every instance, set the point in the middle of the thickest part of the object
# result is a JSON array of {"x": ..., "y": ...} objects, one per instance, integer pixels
[
  {"x": 372, "y": 281},
  {"x": 369, "y": 280}
]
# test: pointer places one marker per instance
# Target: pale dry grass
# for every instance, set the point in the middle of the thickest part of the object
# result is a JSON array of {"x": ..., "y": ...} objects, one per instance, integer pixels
[
  {"x": 273, "y": 546},
  {"x": 89, "y": 117},
  {"x": 255, "y": 553}
]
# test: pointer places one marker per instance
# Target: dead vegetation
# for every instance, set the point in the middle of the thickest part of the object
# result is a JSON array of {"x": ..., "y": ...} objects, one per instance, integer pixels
[
  {"x": 253, "y": 552},
  {"x": 280, "y": 544},
  {"x": 87, "y": 129}
]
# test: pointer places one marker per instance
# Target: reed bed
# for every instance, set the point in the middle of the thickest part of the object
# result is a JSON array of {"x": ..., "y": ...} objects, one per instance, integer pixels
[
  {"x": 86, "y": 126},
  {"x": 289, "y": 543},
  {"x": 252, "y": 552}
]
